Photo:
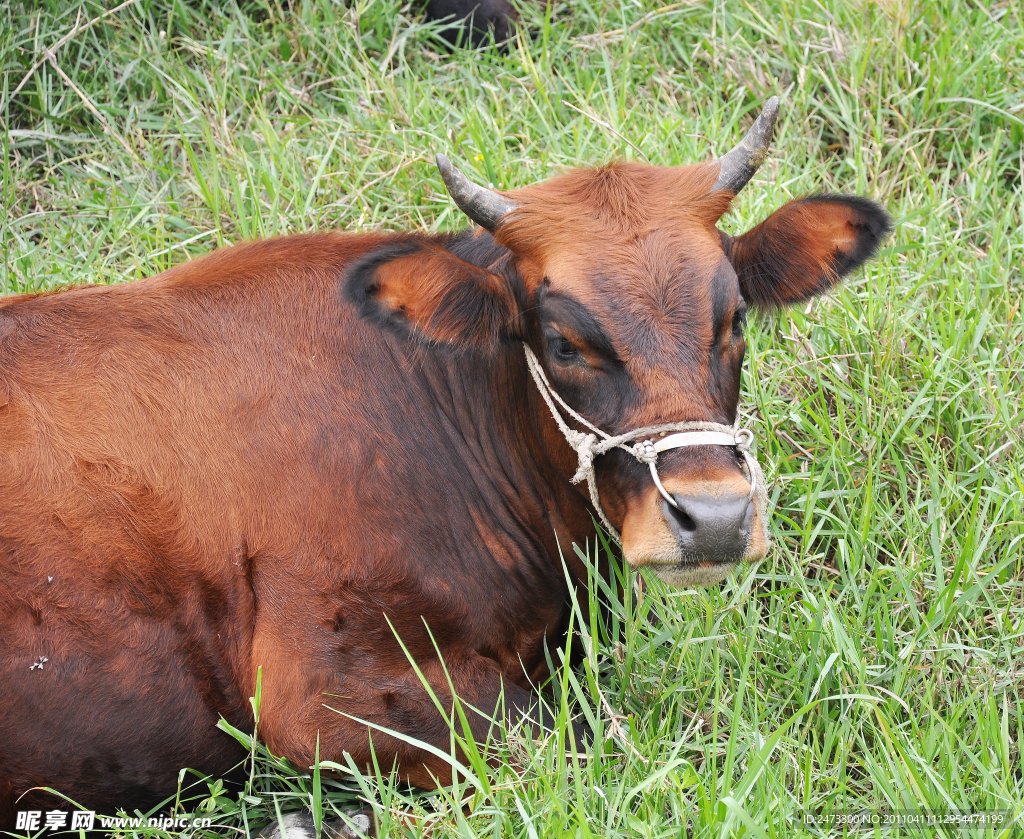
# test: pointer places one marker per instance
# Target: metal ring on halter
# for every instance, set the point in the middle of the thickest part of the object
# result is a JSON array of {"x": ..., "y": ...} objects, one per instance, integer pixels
[{"x": 748, "y": 435}]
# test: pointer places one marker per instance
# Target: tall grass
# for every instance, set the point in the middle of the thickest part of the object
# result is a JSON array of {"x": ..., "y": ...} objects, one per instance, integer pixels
[{"x": 874, "y": 660}]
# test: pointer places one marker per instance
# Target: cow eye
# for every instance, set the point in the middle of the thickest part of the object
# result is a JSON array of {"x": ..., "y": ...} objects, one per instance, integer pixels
[
  {"x": 564, "y": 349},
  {"x": 739, "y": 320}
]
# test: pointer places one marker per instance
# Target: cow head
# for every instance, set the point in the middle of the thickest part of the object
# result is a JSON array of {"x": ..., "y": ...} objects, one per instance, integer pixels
[{"x": 635, "y": 303}]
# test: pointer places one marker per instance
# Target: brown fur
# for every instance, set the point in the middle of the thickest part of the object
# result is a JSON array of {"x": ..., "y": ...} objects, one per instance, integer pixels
[{"x": 284, "y": 454}]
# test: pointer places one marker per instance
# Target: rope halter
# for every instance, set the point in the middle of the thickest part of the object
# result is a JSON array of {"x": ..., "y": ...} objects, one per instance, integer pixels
[{"x": 696, "y": 433}]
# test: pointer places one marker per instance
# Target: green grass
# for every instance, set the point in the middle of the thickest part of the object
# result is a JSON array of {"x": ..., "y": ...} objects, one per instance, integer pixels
[{"x": 876, "y": 658}]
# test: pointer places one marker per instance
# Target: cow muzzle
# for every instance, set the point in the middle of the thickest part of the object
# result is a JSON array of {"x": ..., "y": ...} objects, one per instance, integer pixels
[
  {"x": 711, "y": 527},
  {"x": 700, "y": 532}
]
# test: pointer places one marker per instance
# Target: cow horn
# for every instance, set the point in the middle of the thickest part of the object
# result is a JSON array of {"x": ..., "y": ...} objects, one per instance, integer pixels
[
  {"x": 739, "y": 165},
  {"x": 483, "y": 206}
]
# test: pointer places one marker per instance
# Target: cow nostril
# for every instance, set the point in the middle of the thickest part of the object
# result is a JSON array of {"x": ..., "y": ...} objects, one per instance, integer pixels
[
  {"x": 680, "y": 516},
  {"x": 713, "y": 528}
]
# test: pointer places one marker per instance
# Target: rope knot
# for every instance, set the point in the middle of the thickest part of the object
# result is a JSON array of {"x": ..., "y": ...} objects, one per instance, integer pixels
[
  {"x": 645, "y": 452},
  {"x": 584, "y": 446},
  {"x": 578, "y": 440}
]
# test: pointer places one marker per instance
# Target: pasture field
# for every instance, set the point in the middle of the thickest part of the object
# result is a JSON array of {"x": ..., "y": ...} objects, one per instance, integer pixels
[{"x": 875, "y": 659}]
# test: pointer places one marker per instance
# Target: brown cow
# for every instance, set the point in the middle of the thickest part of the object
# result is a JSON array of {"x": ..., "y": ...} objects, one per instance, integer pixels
[{"x": 285, "y": 453}]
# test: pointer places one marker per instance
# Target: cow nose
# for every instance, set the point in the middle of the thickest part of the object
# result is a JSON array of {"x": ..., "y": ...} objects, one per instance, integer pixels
[{"x": 711, "y": 527}]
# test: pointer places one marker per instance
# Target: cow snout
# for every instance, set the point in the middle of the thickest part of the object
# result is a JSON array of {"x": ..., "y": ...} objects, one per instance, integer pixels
[
  {"x": 717, "y": 526},
  {"x": 710, "y": 528}
]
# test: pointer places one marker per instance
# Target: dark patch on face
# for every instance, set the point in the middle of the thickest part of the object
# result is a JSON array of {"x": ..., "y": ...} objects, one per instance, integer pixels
[
  {"x": 590, "y": 377},
  {"x": 576, "y": 323},
  {"x": 729, "y": 315},
  {"x": 722, "y": 294}
]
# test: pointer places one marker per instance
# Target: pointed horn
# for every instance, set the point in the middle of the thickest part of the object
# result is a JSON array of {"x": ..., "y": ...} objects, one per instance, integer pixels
[
  {"x": 739, "y": 165},
  {"x": 481, "y": 205}
]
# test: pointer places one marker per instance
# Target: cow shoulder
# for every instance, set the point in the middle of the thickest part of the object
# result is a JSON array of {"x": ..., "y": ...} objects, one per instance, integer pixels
[{"x": 805, "y": 247}]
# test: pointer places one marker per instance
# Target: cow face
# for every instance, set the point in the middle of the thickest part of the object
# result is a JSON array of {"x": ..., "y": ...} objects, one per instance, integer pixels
[
  {"x": 635, "y": 303},
  {"x": 643, "y": 330}
]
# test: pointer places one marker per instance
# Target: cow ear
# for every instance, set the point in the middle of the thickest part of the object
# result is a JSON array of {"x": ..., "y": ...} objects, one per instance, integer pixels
[
  {"x": 803, "y": 248},
  {"x": 417, "y": 288}
]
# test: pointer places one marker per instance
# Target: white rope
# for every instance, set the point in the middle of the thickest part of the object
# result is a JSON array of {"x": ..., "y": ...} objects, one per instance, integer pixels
[{"x": 693, "y": 433}]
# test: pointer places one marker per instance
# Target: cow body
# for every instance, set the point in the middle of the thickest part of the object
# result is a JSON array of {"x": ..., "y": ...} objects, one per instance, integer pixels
[
  {"x": 319, "y": 457},
  {"x": 198, "y": 479}
]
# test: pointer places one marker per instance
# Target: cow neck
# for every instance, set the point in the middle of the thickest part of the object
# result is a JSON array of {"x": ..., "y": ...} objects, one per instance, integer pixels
[
  {"x": 594, "y": 442},
  {"x": 478, "y": 402}
]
